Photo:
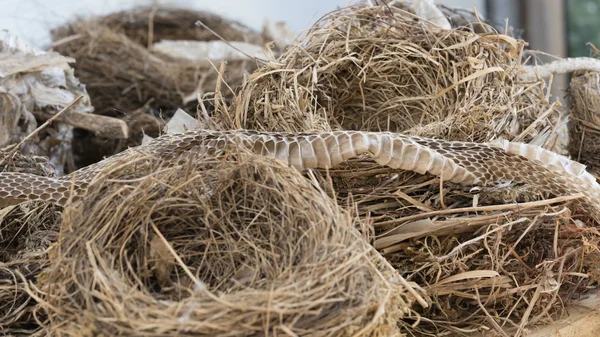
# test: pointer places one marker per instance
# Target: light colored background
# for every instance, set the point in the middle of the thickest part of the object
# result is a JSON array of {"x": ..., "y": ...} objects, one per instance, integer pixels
[{"x": 32, "y": 19}]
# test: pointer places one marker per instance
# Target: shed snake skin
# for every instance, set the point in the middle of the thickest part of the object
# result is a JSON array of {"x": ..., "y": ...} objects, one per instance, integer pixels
[{"x": 458, "y": 162}]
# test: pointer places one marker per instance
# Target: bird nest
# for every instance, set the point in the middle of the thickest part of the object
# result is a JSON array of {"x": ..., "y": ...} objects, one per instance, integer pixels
[
  {"x": 245, "y": 246},
  {"x": 379, "y": 69},
  {"x": 126, "y": 78},
  {"x": 499, "y": 257},
  {"x": 228, "y": 247},
  {"x": 116, "y": 62}
]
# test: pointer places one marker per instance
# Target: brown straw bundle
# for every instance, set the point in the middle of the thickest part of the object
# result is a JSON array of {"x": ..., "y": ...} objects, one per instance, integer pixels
[{"x": 121, "y": 71}]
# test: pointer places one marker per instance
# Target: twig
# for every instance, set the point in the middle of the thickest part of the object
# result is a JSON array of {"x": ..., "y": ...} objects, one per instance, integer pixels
[
  {"x": 101, "y": 126},
  {"x": 527, "y": 313},
  {"x": 489, "y": 317},
  {"x": 229, "y": 44},
  {"x": 482, "y": 209},
  {"x": 458, "y": 248}
]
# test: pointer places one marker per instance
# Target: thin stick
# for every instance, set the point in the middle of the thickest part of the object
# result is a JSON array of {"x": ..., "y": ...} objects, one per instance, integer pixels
[
  {"x": 442, "y": 191},
  {"x": 151, "y": 26},
  {"x": 46, "y": 123},
  {"x": 412, "y": 291},
  {"x": 229, "y": 44},
  {"x": 489, "y": 317},
  {"x": 581, "y": 145},
  {"x": 458, "y": 248},
  {"x": 482, "y": 209},
  {"x": 176, "y": 256}
]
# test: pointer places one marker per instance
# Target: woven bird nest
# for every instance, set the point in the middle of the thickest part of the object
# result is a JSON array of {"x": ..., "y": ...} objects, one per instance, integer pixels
[
  {"x": 247, "y": 246},
  {"x": 236, "y": 246},
  {"x": 585, "y": 120},
  {"x": 378, "y": 69}
]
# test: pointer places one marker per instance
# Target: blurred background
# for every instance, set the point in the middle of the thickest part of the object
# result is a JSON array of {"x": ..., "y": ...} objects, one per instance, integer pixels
[{"x": 558, "y": 27}]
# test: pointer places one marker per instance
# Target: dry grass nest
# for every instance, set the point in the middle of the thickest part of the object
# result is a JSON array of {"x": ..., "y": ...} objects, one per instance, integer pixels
[
  {"x": 125, "y": 78},
  {"x": 233, "y": 246},
  {"x": 497, "y": 258},
  {"x": 379, "y": 69},
  {"x": 585, "y": 120}
]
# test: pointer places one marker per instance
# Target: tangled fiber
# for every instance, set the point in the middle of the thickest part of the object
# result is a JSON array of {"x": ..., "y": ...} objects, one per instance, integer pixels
[
  {"x": 241, "y": 246},
  {"x": 26, "y": 232},
  {"x": 499, "y": 258},
  {"x": 244, "y": 246},
  {"x": 510, "y": 271},
  {"x": 585, "y": 120}
]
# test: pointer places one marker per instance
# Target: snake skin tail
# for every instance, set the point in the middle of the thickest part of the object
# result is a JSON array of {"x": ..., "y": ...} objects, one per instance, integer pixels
[
  {"x": 20, "y": 187},
  {"x": 458, "y": 162}
]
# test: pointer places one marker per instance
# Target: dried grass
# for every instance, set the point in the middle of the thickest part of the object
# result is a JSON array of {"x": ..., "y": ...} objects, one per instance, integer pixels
[
  {"x": 498, "y": 258},
  {"x": 585, "y": 120},
  {"x": 172, "y": 23},
  {"x": 376, "y": 69},
  {"x": 121, "y": 71},
  {"x": 515, "y": 271},
  {"x": 234, "y": 246}
]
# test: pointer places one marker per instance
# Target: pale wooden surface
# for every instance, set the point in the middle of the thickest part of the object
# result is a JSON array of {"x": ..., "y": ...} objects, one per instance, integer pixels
[{"x": 583, "y": 321}]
